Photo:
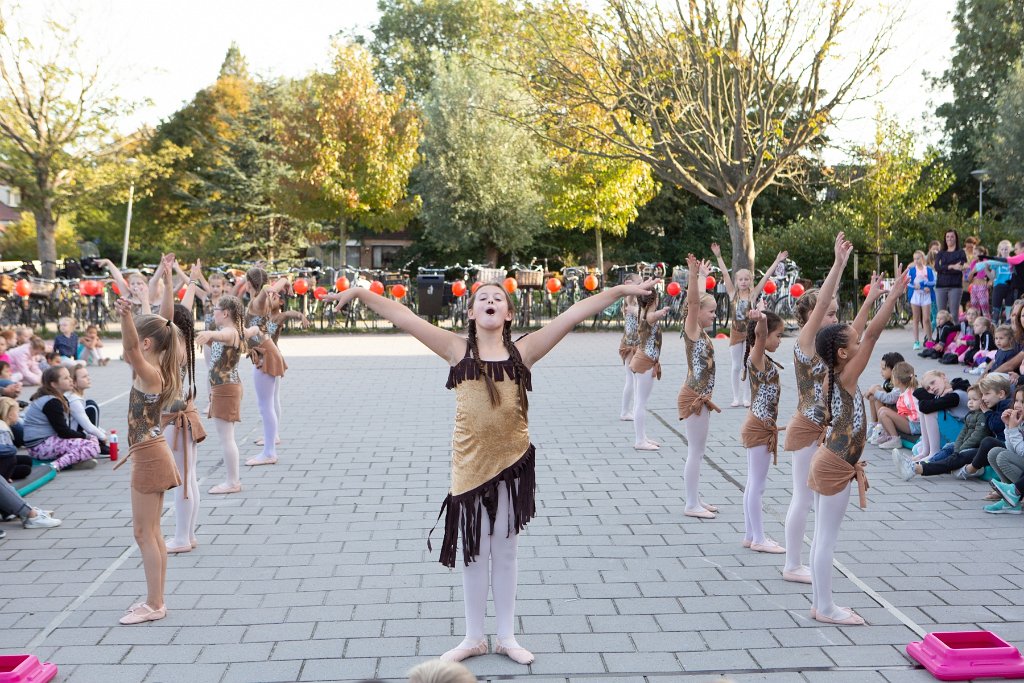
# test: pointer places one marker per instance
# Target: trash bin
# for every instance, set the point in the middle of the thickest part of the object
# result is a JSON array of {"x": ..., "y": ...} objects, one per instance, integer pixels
[{"x": 430, "y": 294}]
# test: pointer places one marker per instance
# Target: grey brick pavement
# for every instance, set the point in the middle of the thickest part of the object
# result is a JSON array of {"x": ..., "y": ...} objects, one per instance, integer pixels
[{"x": 318, "y": 570}]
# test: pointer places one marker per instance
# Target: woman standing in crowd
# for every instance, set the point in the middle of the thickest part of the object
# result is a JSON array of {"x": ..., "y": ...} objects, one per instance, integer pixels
[{"x": 950, "y": 263}]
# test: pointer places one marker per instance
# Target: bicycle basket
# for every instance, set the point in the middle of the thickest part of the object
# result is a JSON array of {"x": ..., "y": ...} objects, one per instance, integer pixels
[
  {"x": 530, "y": 278},
  {"x": 486, "y": 275},
  {"x": 680, "y": 274},
  {"x": 42, "y": 288}
]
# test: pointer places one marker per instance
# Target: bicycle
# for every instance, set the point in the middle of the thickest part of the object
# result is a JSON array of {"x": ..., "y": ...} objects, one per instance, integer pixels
[{"x": 528, "y": 278}]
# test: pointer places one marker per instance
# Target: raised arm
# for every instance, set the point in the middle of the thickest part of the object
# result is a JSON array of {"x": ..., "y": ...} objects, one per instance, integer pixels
[
  {"x": 192, "y": 285},
  {"x": 445, "y": 344},
  {"x": 258, "y": 304},
  {"x": 782, "y": 256},
  {"x": 698, "y": 271},
  {"x": 535, "y": 346},
  {"x": 730, "y": 288},
  {"x": 826, "y": 294},
  {"x": 115, "y": 275},
  {"x": 758, "y": 317},
  {"x": 855, "y": 368},
  {"x": 874, "y": 292},
  {"x": 148, "y": 377},
  {"x": 227, "y": 336},
  {"x": 167, "y": 300}
]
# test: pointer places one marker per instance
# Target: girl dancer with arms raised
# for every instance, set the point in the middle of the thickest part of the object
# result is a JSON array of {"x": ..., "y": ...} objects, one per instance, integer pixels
[
  {"x": 275, "y": 323},
  {"x": 645, "y": 366},
  {"x": 743, "y": 299},
  {"x": 806, "y": 429},
  {"x": 151, "y": 348},
  {"x": 628, "y": 345},
  {"x": 493, "y": 477},
  {"x": 837, "y": 462},
  {"x": 268, "y": 364},
  {"x": 760, "y": 431},
  {"x": 225, "y": 386},
  {"x": 694, "y": 399}
]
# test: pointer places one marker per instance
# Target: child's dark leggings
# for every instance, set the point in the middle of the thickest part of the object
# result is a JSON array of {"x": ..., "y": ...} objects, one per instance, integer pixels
[
  {"x": 981, "y": 457},
  {"x": 950, "y": 464}
]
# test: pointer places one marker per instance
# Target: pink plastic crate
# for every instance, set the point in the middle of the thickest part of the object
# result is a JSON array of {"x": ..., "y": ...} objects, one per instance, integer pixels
[
  {"x": 25, "y": 669},
  {"x": 963, "y": 655}
]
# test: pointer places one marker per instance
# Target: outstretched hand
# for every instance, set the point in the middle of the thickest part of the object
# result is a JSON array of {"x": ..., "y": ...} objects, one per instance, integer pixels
[
  {"x": 203, "y": 338},
  {"x": 875, "y": 288},
  {"x": 900, "y": 285},
  {"x": 716, "y": 250},
  {"x": 341, "y": 299},
  {"x": 632, "y": 289},
  {"x": 843, "y": 247},
  {"x": 704, "y": 269},
  {"x": 123, "y": 306}
]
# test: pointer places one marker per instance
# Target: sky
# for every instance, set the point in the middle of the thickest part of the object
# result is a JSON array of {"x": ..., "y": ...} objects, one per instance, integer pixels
[{"x": 165, "y": 52}]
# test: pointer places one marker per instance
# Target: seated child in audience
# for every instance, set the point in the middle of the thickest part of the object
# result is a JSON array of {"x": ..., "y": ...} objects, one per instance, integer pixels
[
  {"x": 983, "y": 347},
  {"x": 23, "y": 334},
  {"x": 945, "y": 331},
  {"x": 1006, "y": 348},
  {"x": 8, "y": 386},
  {"x": 90, "y": 347},
  {"x": 12, "y": 465},
  {"x": 939, "y": 396},
  {"x": 3, "y": 349},
  {"x": 1008, "y": 461},
  {"x": 975, "y": 429},
  {"x": 884, "y": 394},
  {"x": 65, "y": 343},
  {"x": 25, "y": 361},
  {"x": 953, "y": 353},
  {"x": 905, "y": 417}
]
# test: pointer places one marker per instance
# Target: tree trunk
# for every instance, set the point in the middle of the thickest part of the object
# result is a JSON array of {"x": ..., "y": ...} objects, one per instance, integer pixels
[
  {"x": 600, "y": 250},
  {"x": 741, "y": 233},
  {"x": 492, "y": 255},
  {"x": 343, "y": 244},
  {"x": 46, "y": 240}
]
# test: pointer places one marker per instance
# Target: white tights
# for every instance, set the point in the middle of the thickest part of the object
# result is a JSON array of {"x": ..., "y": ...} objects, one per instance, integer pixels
[
  {"x": 930, "y": 436},
  {"x": 740, "y": 388},
  {"x": 186, "y": 510},
  {"x": 799, "y": 507},
  {"x": 266, "y": 388},
  {"x": 759, "y": 459},
  {"x": 828, "y": 516},
  {"x": 226, "y": 434},
  {"x": 643, "y": 384},
  {"x": 627, "y": 393},
  {"x": 496, "y": 568},
  {"x": 696, "y": 428}
]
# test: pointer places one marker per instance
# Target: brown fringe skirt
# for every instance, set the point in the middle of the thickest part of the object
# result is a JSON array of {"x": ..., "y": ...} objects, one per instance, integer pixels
[
  {"x": 641, "y": 363},
  {"x": 187, "y": 427},
  {"x": 226, "y": 402},
  {"x": 462, "y": 513},
  {"x": 153, "y": 468},
  {"x": 267, "y": 357},
  {"x": 690, "y": 403},
  {"x": 626, "y": 353},
  {"x": 755, "y": 432},
  {"x": 802, "y": 433},
  {"x": 830, "y": 474}
]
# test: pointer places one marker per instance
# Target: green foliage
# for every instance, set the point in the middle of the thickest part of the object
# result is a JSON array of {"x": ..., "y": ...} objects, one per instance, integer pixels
[
  {"x": 481, "y": 175},
  {"x": 1002, "y": 150},
  {"x": 18, "y": 241},
  {"x": 990, "y": 38}
]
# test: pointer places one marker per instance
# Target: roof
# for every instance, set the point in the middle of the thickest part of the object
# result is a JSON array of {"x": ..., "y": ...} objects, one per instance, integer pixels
[{"x": 9, "y": 214}]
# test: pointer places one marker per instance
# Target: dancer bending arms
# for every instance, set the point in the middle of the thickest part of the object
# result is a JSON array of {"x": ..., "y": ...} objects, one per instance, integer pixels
[
  {"x": 694, "y": 399},
  {"x": 760, "y": 431},
  {"x": 225, "y": 386},
  {"x": 646, "y": 366},
  {"x": 275, "y": 323},
  {"x": 151, "y": 349},
  {"x": 493, "y": 476},
  {"x": 268, "y": 365},
  {"x": 837, "y": 462},
  {"x": 806, "y": 428},
  {"x": 628, "y": 345},
  {"x": 743, "y": 299}
]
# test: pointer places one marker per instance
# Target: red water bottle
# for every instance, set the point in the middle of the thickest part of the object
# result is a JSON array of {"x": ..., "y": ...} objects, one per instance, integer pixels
[{"x": 113, "y": 444}]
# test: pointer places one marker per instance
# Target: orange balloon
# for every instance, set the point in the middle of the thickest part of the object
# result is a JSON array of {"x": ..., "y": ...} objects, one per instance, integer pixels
[
  {"x": 710, "y": 283},
  {"x": 117, "y": 290},
  {"x": 94, "y": 288},
  {"x": 796, "y": 291},
  {"x": 590, "y": 283},
  {"x": 673, "y": 289},
  {"x": 769, "y": 287},
  {"x": 721, "y": 335},
  {"x": 510, "y": 284},
  {"x": 341, "y": 284},
  {"x": 867, "y": 288},
  {"x": 476, "y": 286},
  {"x": 553, "y": 285},
  {"x": 23, "y": 288},
  {"x": 300, "y": 286},
  {"x": 319, "y": 293},
  {"x": 377, "y": 287},
  {"x": 458, "y": 288},
  {"x": 398, "y": 291},
  {"x": 181, "y": 294}
]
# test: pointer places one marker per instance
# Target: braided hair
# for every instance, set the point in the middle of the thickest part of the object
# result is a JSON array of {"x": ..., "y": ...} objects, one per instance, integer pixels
[
  {"x": 827, "y": 343},
  {"x": 185, "y": 322},
  {"x": 774, "y": 322},
  {"x": 647, "y": 303},
  {"x": 233, "y": 305},
  {"x": 513, "y": 354}
]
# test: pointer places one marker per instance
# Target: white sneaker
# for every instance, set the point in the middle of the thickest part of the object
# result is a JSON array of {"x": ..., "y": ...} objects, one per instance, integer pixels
[
  {"x": 890, "y": 442},
  {"x": 42, "y": 520},
  {"x": 906, "y": 466}
]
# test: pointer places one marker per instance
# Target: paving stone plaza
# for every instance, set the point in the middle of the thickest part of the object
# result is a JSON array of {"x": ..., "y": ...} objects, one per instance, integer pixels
[{"x": 318, "y": 570}]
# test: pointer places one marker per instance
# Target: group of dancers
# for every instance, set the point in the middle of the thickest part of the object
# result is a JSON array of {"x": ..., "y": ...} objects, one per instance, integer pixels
[
  {"x": 492, "y": 492},
  {"x": 164, "y": 425}
]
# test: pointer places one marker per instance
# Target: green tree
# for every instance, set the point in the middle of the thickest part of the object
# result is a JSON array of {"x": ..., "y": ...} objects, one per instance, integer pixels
[
  {"x": 481, "y": 177},
  {"x": 729, "y": 93},
  {"x": 409, "y": 33},
  {"x": 1002, "y": 149},
  {"x": 989, "y": 39},
  {"x": 55, "y": 121}
]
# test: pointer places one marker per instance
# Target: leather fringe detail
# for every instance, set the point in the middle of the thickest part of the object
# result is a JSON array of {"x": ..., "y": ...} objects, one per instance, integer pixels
[
  {"x": 463, "y": 512},
  {"x": 498, "y": 371}
]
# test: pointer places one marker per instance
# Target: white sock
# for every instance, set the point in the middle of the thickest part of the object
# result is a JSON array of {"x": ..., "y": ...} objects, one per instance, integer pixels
[
  {"x": 185, "y": 509},
  {"x": 736, "y": 353},
  {"x": 641, "y": 392},
  {"x": 799, "y": 507},
  {"x": 828, "y": 517},
  {"x": 226, "y": 434},
  {"x": 627, "y": 392},
  {"x": 264, "y": 385},
  {"x": 696, "y": 428},
  {"x": 759, "y": 459},
  {"x": 504, "y": 572}
]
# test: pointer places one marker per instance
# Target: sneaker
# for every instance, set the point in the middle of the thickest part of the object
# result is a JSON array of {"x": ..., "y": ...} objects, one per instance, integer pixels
[
  {"x": 3, "y": 534},
  {"x": 1001, "y": 507},
  {"x": 1007, "y": 491},
  {"x": 876, "y": 433},
  {"x": 961, "y": 473},
  {"x": 890, "y": 442},
  {"x": 89, "y": 464},
  {"x": 980, "y": 370},
  {"x": 918, "y": 450},
  {"x": 42, "y": 520},
  {"x": 917, "y": 346},
  {"x": 906, "y": 465}
]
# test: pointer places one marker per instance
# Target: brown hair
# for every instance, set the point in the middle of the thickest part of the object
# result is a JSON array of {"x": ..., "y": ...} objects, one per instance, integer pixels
[
  {"x": 50, "y": 376},
  {"x": 903, "y": 372},
  {"x": 513, "y": 355},
  {"x": 165, "y": 337},
  {"x": 805, "y": 306},
  {"x": 827, "y": 343},
  {"x": 233, "y": 305},
  {"x": 774, "y": 322}
]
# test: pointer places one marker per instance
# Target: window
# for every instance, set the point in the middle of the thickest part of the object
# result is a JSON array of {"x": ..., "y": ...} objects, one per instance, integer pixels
[{"x": 384, "y": 256}]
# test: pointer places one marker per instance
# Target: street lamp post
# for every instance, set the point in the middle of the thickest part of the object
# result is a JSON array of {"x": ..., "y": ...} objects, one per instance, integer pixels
[
  {"x": 981, "y": 175},
  {"x": 128, "y": 217}
]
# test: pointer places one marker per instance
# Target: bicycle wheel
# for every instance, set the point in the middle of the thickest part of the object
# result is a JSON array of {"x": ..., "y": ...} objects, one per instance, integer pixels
[
  {"x": 723, "y": 311},
  {"x": 785, "y": 308}
]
